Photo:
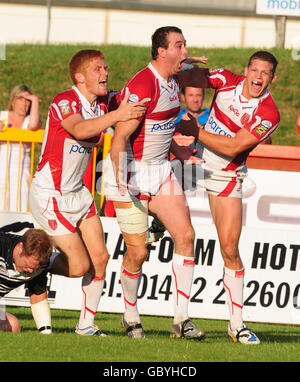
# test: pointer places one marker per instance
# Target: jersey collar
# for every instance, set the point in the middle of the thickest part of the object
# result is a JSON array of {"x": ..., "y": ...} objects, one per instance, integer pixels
[
  {"x": 90, "y": 110},
  {"x": 169, "y": 86}
]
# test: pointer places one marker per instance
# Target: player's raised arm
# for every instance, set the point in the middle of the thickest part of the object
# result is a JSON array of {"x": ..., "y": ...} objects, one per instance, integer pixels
[
  {"x": 196, "y": 77},
  {"x": 193, "y": 75}
]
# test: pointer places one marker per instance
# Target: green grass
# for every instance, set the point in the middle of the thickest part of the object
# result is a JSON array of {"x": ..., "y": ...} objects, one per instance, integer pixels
[
  {"x": 280, "y": 343},
  {"x": 45, "y": 69}
]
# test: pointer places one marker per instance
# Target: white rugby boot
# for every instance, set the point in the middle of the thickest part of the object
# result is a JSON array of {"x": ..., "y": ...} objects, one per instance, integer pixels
[
  {"x": 91, "y": 330},
  {"x": 243, "y": 335}
]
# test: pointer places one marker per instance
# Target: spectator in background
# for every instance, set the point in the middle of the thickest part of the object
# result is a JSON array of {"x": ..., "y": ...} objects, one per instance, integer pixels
[
  {"x": 298, "y": 124},
  {"x": 22, "y": 113},
  {"x": 193, "y": 99}
]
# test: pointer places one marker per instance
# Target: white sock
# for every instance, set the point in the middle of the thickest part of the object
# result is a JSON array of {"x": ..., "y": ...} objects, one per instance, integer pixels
[
  {"x": 233, "y": 281},
  {"x": 182, "y": 279},
  {"x": 130, "y": 282},
  {"x": 92, "y": 287}
]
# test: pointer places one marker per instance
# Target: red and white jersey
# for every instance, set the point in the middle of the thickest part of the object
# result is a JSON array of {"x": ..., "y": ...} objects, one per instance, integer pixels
[
  {"x": 64, "y": 159},
  {"x": 151, "y": 140},
  {"x": 230, "y": 112}
]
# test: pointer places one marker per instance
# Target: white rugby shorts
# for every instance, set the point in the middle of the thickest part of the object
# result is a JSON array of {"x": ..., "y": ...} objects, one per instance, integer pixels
[
  {"x": 215, "y": 181},
  {"x": 59, "y": 214},
  {"x": 144, "y": 179}
]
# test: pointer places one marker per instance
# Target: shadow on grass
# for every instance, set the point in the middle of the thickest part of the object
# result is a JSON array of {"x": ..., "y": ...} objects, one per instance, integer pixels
[
  {"x": 276, "y": 337},
  {"x": 280, "y": 337}
]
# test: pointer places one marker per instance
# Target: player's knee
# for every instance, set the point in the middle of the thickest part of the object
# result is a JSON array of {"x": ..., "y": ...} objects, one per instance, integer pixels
[
  {"x": 100, "y": 261},
  {"x": 11, "y": 324},
  {"x": 135, "y": 256},
  {"x": 189, "y": 234},
  {"x": 78, "y": 270},
  {"x": 15, "y": 325},
  {"x": 186, "y": 237},
  {"x": 229, "y": 250}
]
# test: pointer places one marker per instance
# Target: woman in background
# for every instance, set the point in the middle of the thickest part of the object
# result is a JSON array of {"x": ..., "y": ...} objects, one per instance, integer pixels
[{"x": 22, "y": 113}]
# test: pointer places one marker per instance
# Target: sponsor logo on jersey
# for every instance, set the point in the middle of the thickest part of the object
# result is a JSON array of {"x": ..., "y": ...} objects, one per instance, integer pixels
[
  {"x": 214, "y": 70},
  {"x": 216, "y": 128},
  {"x": 245, "y": 118},
  {"x": 133, "y": 98},
  {"x": 64, "y": 106},
  {"x": 266, "y": 124},
  {"x": 165, "y": 126},
  {"x": 263, "y": 127},
  {"x": 174, "y": 98},
  {"x": 261, "y": 130},
  {"x": 80, "y": 149},
  {"x": 235, "y": 111}
]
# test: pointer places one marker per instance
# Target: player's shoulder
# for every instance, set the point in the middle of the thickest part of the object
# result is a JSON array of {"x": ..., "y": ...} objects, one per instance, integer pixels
[
  {"x": 68, "y": 95},
  {"x": 141, "y": 85},
  {"x": 225, "y": 76},
  {"x": 145, "y": 78},
  {"x": 64, "y": 104},
  {"x": 9, "y": 236},
  {"x": 7, "y": 243},
  {"x": 268, "y": 108}
]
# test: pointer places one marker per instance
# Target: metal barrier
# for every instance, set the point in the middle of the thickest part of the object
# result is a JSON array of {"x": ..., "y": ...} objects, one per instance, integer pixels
[
  {"x": 27, "y": 136},
  {"x": 21, "y": 136},
  {"x": 264, "y": 157}
]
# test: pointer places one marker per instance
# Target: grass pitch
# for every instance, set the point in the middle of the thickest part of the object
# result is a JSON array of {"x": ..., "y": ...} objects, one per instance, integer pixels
[{"x": 280, "y": 343}]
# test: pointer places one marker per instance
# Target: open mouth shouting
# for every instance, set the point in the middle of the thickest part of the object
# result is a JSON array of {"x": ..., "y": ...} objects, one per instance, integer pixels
[
  {"x": 256, "y": 87},
  {"x": 103, "y": 84},
  {"x": 257, "y": 84}
]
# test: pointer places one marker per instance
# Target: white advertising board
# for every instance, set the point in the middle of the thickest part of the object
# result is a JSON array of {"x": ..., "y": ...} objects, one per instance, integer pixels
[
  {"x": 269, "y": 247},
  {"x": 278, "y": 7}
]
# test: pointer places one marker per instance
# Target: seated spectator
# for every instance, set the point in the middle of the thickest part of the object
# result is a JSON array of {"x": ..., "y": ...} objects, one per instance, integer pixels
[{"x": 22, "y": 113}]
